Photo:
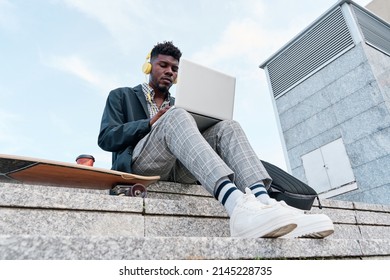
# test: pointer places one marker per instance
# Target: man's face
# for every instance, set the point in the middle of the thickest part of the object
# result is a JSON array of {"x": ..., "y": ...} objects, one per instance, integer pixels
[{"x": 164, "y": 72}]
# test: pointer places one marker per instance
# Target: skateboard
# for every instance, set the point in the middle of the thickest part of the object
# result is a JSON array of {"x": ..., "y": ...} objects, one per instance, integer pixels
[{"x": 26, "y": 170}]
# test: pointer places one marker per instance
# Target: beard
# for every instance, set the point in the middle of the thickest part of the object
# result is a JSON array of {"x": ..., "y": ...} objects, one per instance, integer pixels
[
  {"x": 163, "y": 89},
  {"x": 159, "y": 85}
]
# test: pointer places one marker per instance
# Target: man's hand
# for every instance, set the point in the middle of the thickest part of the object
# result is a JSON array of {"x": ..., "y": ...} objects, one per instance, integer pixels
[{"x": 159, "y": 114}]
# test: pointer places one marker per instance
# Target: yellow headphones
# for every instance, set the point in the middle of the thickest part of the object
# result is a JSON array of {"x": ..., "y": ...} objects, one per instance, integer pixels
[{"x": 147, "y": 66}]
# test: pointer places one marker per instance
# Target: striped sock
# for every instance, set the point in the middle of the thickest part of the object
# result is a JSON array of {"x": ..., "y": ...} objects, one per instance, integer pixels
[
  {"x": 260, "y": 192},
  {"x": 228, "y": 194}
]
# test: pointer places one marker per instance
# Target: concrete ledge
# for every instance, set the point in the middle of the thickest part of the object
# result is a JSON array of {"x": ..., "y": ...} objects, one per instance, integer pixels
[
  {"x": 185, "y": 248},
  {"x": 174, "y": 222},
  {"x": 167, "y": 226},
  {"x": 162, "y": 187},
  {"x": 66, "y": 223},
  {"x": 28, "y": 196},
  {"x": 190, "y": 206}
]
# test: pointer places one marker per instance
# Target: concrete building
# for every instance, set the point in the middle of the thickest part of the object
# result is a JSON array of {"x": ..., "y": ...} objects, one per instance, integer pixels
[{"x": 330, "y": 87}]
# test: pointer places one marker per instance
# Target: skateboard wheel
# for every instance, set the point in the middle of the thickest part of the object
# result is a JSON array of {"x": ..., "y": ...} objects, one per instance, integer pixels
[{"x": 137, "y": 190}]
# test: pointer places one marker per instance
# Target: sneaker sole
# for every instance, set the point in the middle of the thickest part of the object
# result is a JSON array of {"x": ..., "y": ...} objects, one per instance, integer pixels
[
  {"x": 318, "y": 231},
  {"x": 280, "y": 231},
  {"x": 275, "y": 231},
  {"x": 318, "y": 235}
]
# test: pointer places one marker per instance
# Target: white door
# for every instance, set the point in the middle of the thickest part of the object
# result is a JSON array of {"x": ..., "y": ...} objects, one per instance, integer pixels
[{"x": 328, "y": 167}]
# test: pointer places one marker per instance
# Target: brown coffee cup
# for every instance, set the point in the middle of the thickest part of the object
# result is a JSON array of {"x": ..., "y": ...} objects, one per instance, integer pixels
[{"x": 85, "y": 160}]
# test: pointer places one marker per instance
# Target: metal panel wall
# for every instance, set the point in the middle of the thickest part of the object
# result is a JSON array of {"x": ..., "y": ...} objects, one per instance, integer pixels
[
  {"x": 376, "y": 33},
  {"x": 309, "y": 53}
]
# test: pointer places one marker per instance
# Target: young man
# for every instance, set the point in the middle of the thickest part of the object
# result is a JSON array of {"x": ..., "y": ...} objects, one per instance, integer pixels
[{"x": 220, "y": 158}]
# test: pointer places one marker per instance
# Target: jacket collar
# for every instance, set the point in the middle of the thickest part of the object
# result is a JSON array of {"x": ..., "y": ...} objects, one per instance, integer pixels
[{"x": 141, "y": 97}]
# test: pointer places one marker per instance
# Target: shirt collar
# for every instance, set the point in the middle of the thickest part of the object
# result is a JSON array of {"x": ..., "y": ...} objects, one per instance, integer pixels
[{"x": 149, "y": 92}]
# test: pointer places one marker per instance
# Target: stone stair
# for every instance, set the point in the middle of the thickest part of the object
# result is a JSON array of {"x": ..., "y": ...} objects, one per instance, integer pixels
[{"x": 174, "y": 222}]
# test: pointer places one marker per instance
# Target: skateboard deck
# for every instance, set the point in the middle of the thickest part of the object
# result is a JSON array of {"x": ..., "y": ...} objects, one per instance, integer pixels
[{"x": 19, "y": 169}]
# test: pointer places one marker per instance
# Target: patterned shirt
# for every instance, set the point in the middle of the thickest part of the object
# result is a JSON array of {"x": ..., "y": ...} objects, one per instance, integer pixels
[{"x": 152, "y": 105}]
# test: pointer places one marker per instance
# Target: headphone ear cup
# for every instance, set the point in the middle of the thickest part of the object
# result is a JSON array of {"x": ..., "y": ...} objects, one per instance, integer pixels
[{"x": 147, "y": 68}]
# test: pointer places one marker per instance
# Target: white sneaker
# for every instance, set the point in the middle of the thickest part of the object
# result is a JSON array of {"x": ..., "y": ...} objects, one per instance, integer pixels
[
  {"x": 252, "y": 219},
  {"x": 308, "y": 225}
]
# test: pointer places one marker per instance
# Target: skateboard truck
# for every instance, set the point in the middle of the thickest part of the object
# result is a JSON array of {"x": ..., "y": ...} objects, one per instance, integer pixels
[{"x": 136, "y": 190}]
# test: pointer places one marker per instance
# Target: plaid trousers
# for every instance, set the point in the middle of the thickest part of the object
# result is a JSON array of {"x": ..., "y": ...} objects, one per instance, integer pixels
[{"x": 178, "y": 152}]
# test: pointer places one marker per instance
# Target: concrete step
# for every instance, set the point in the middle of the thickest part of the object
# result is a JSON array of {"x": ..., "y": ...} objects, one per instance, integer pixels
[
  {"x": 174, "y": 222},
  {"x": 186, "y": 248}
]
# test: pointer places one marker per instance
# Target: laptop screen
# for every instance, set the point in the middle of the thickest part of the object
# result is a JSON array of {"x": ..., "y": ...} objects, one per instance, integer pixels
[{"x": 205, "y": 92}]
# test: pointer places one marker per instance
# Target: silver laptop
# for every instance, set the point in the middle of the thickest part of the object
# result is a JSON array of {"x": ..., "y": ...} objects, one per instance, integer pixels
[{"x": 205, "y": 93}]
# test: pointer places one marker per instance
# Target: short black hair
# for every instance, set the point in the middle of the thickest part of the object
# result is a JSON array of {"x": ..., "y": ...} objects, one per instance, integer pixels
[{"x": 166, "y": 48}]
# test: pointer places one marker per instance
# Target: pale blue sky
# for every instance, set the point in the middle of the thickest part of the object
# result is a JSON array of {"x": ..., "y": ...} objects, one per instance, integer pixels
[{"x": 60, "y": 58}]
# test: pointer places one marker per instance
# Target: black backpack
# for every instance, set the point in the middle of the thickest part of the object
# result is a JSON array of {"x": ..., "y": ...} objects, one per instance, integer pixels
[{"x": 286, "y": 187}]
